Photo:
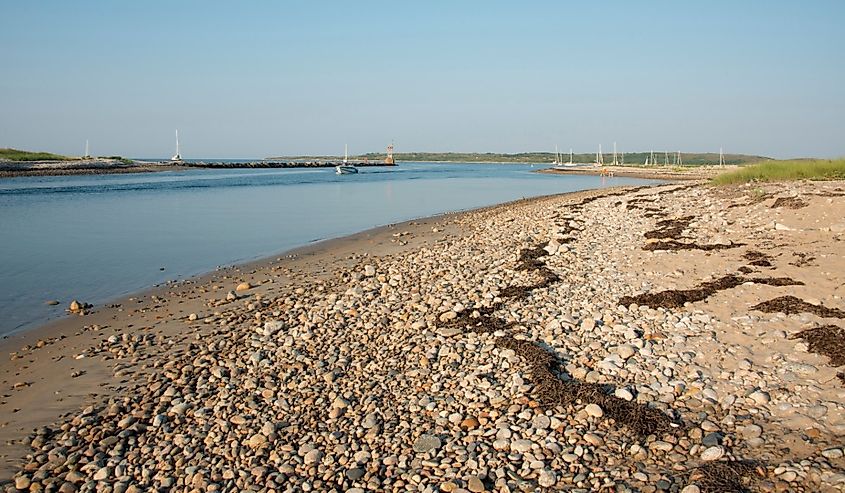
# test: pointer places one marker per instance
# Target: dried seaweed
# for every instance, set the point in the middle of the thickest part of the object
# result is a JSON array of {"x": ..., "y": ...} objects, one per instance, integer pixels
[
  {"x": 675, "y": 298},
  {"x": 550, "y": 391},
  {"x": 804, "y": 259},
  {"x": 789, "y": 202},
  {"x": 791, "y": 305},
  {"x": 758, "y": 259},
  {"x": 827, "y": 340},
  {"x": 670, "y": 228},
  {"x": 723, "y": 477},
  {"x": 677, "y": 245}
]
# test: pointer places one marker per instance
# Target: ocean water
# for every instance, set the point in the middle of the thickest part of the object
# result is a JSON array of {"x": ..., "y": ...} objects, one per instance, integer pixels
[{"x": 96, "y": 238}]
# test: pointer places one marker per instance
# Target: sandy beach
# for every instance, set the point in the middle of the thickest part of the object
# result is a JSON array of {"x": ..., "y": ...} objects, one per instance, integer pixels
[
  {"x": 629, "y": 339},
  {"x": 703, "y": 172}
]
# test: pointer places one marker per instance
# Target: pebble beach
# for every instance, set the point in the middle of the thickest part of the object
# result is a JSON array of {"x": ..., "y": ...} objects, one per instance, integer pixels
[{"x": 678, "y": 338}]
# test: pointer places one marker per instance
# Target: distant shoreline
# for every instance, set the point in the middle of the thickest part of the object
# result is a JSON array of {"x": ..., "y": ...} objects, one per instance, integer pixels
[{"x": 10, "y": 169}]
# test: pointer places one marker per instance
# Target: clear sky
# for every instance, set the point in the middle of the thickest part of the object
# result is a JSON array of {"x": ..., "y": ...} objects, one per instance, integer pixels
[{"x": 261, "y": 78}]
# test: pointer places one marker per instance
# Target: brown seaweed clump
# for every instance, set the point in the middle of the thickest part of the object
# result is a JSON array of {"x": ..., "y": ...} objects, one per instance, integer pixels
[
  {"x": 789, "y": 203},
  {"x": 670, "y": 228},
  {"x": 720, "y": 477},
  {"x": 678, "y": 245},
  {"x": 758, "y": 259},
  {"x": 675, "y": 298},
  {"x": 530, "y": 260},
  {"x": 553, "y": 391},
  {"x": 791, "y": 305},
  {"x": 827, "y": 340}
]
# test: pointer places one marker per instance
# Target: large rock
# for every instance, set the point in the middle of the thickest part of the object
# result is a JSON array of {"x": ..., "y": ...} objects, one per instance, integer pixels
[{"x": 425, "y": 443}]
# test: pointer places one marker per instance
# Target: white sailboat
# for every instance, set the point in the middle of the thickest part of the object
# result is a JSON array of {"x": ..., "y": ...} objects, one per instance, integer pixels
[
  {"x": 556, "y": 162},
  {"x": 87, "y": 154},
  {"x": 345, "y": 168},
  {"x": 177, "y": 158},
  {"x": 562, "y": 165}
]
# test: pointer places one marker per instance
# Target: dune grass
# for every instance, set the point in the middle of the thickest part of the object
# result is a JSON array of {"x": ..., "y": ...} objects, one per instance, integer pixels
[
  {"x": 18, "y": 155},
  {"x": 769, "y": 171}
]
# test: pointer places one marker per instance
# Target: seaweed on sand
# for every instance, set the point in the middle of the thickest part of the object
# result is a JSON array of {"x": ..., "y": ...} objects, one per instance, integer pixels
[
  {"x": 791, "y": 305},
  {"x": 675, "y": 298},
  {"x": 789, "y": 202},
  {"x": 827, "y": 340},
  {"x": 722, "y": 477},
  {"x": 758, "y": 259},
  {"x": 677, "y": 245},
  {"x": 670, "y": 228}
]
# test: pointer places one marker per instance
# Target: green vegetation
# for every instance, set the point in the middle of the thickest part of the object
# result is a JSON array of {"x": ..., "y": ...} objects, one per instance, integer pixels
[
  {"x": 118, "y": 158},
  {"x": 799, "y": 169},
  {"x": 17, "y": 155},
  {"x": 631, "y": 159}
]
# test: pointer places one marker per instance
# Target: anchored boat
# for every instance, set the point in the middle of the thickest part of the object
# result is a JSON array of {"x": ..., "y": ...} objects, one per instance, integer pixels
[{"x": 345, "y": 168}]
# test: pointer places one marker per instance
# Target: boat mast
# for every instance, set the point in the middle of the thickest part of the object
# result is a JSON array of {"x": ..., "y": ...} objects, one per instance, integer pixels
[
  {"x": 87, "y": 154},
  {"x": 345, "y": 153},
  {"x": 615, "y": 162},
  {"x": 721, "y": 158},
  {"x": 570, "y": 155}
]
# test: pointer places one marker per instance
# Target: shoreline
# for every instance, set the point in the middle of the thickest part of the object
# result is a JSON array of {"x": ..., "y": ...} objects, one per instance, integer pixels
[
  {"x": 361, "y": 339},
  {"x": 83, "y": 330},
  {"x": 657, "y": 173}
]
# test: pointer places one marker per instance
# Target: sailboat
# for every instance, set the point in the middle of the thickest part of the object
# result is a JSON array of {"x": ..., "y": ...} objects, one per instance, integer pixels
[
  {"x": 177, "y": 158},
  {"x": 87, "y": 154},
  {"x": 556, "y": 162},
  {"x": 345, "y": 168}
]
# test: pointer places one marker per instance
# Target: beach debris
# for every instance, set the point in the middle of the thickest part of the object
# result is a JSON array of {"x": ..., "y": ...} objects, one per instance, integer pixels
[
  {"x": 724, "y": 476},
  {"x": 789, "y": 203},
  {"x": 758, "y": 259},
  {"x": 52, "y": 302},
  {"x": 670, "y": 228},
  {"x": 675, "y": 298},
  {"x": 678, "y": 245},
  {"x": 791, "y": 305},
  {"x": 244, "y": 286},
  {"x": 827, "y": 340}
]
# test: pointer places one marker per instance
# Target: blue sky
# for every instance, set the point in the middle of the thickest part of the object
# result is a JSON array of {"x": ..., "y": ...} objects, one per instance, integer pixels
[{"x": 261, "y": 78}]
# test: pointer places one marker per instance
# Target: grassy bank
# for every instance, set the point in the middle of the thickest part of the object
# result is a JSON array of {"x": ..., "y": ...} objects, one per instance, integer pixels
[
  {"x": 770, "y": 171},
  {"x": 18, "y": 155}
]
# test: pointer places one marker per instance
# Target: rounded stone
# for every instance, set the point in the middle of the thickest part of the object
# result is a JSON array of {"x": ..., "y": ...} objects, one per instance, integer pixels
[
  {"x": 594, "y": 410},
  {"x": 425, "y": 443},
  {"x": 713, "y": 453},
  {"x": 475, "y": 484}
]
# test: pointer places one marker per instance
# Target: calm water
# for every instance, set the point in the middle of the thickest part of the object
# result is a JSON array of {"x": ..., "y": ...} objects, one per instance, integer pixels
[{"x": 95, "y": 238}]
